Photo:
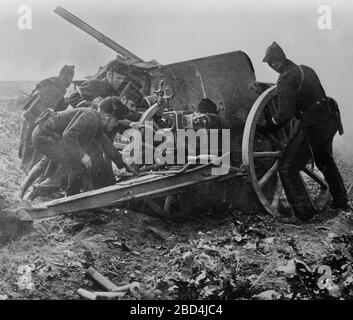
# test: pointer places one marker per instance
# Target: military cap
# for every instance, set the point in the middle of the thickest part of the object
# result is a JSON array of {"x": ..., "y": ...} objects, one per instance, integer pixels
[
  {"x": 119, "y": 67},
  {"x": 275, "y": 52},
  {"x": 114, "y": 106},
  {"x": 68, "y": 70}
]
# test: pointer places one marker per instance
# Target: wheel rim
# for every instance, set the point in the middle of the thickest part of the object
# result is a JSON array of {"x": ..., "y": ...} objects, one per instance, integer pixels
[{"x": 261, "y": 155}]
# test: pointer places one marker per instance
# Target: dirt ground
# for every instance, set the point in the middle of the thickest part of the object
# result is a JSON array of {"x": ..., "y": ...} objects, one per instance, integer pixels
[{"x": 203, "y": 256}]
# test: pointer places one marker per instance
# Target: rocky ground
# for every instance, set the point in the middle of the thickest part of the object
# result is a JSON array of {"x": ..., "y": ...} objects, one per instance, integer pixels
[{"x": 204, "y": 256}]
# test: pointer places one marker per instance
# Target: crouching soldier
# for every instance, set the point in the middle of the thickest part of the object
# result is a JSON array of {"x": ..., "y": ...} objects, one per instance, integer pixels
[{"x": 76, "y": 139}]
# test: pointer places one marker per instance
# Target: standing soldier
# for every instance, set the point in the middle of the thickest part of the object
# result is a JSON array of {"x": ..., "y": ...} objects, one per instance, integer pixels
[
  {"x": 301, "y": 95},
  {"x": 48, "y": 93},
  {"x": 76, "y": 139}
]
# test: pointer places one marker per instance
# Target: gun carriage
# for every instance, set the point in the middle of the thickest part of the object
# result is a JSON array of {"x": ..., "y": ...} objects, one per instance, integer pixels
[{"x": 251, "y": 182}]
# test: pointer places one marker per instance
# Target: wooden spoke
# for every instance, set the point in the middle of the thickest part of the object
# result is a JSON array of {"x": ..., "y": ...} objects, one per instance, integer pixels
[
  {"x": 315, "y": 177},
  {"x": 267, "y": 154},
  {"x": 277, "y": 194},
  {"x": 168, "y": 203},
  {"x": 268, "y": 175}
]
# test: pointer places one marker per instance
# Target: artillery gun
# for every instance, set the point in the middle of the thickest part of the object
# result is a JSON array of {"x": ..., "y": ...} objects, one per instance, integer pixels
[{"x": 252, "y": 182}]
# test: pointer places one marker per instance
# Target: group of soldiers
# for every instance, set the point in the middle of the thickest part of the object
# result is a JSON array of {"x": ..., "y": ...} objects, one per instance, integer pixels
[
  {"x": 67, "y": 142},
  {"x": 63, "y": 139}
]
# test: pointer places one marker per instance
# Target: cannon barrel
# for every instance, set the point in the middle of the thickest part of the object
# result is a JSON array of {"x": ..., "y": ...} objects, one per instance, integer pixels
[{"x": 68, "y": 16}]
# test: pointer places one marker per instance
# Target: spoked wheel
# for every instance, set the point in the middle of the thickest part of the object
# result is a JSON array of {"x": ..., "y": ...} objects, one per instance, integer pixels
[
  {"x": 261, "y": 155},
  {"x": 158, "y": 206}
]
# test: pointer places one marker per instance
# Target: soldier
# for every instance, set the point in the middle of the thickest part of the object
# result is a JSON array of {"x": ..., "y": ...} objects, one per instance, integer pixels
[
  {"x": 76, "y": 139},
  {"x": 207, "y": 106},
  {"x": 118, "y": 81},
  {"x": 206, "y": 115},
  {"x": 301, "y": 95},
  {"x": 48, "y": 93}
]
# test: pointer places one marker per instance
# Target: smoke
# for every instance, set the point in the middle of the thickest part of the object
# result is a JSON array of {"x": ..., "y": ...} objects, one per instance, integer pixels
[{"x": 171, "y": 31}]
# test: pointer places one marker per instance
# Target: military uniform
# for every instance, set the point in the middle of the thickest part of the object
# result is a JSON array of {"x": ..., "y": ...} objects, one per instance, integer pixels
[
  {"x": 301, "y": 95},
  {"x": 91, "y": 89},
  {"x": 128, "y": 91},
  {"x": 66, "y": 136},
  {"x": 48, "y": 93}
]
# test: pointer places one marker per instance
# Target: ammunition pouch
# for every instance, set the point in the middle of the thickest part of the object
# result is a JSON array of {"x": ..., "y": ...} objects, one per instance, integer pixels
[
  {"x": 335, "y": 112},
  {"x": 321, "y": 112}
]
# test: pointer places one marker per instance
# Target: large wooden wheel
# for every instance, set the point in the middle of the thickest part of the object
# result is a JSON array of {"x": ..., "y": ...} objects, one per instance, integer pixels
[{"x": 261, "y": 154}]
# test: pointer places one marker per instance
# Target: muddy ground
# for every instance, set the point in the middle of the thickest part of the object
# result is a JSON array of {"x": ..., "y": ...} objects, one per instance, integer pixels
[{"x": 206, "y": 255}]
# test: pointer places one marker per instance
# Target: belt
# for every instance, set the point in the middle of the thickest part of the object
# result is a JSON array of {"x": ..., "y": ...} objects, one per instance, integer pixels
[
  {"x": 332, "y": 108},
  {"x": 317, "y": 102}
]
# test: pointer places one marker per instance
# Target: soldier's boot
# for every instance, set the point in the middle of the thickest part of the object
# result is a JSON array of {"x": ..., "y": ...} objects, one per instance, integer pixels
[
  {"x": 45, "y": 189},
  {"x": 336, "y": 185},
  {"x": 75, "y": 182},
  {"x": 32, "y": 176}
]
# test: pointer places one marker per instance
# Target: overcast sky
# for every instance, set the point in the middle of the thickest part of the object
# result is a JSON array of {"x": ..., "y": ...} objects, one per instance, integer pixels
[{"x": 177, "y": 30}]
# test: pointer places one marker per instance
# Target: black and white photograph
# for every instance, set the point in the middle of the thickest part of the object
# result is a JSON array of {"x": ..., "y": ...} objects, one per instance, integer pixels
[{"x": 176, "y": 155}]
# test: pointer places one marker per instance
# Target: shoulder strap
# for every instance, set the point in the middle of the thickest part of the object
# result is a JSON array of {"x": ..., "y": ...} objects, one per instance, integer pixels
[{"x": 301, "y": 78}]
